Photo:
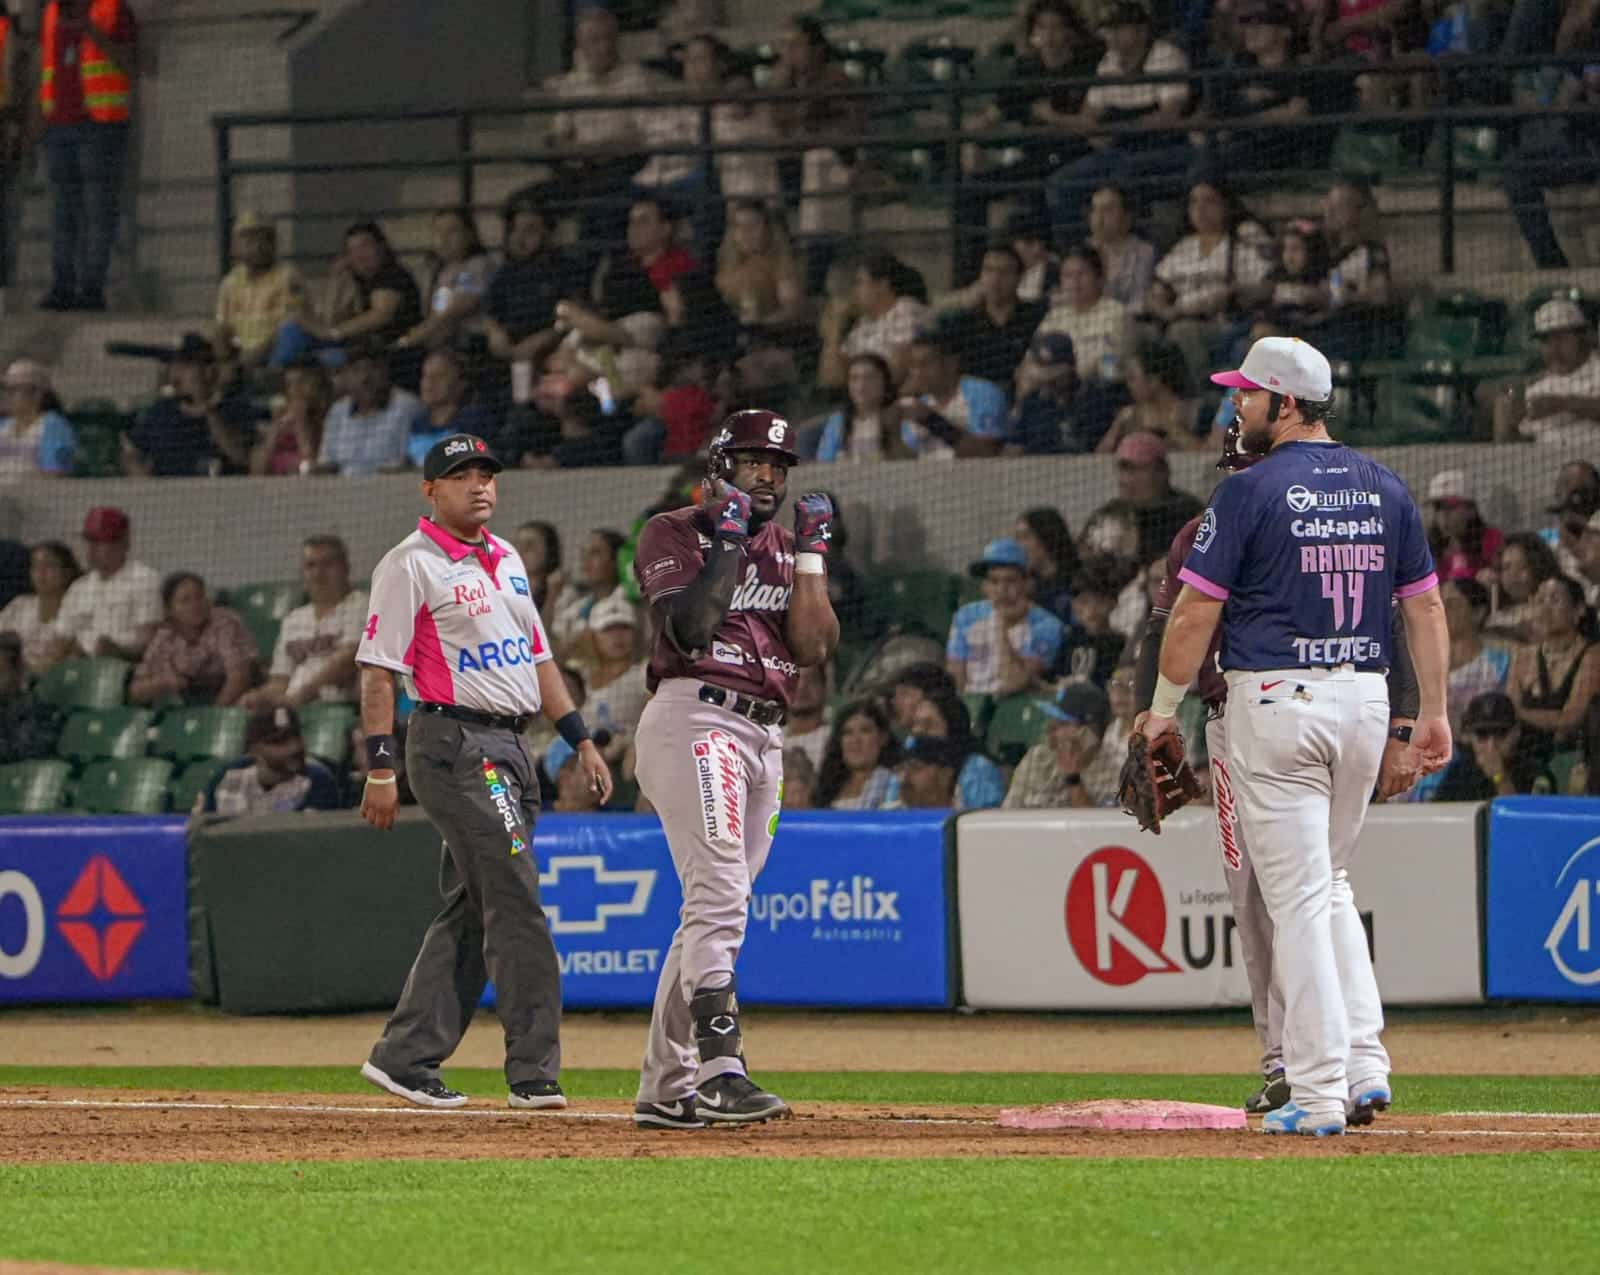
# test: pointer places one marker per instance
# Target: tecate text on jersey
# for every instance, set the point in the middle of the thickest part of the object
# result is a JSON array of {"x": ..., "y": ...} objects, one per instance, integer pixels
[{"x": 1317, "y": 652}]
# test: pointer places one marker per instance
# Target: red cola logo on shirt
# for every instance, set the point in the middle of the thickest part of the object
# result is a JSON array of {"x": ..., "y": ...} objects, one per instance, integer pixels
[
  {"x": 752, "y": 595},
  {"x": 716, "y": 767},
  {"x": 475, "y": 597}
]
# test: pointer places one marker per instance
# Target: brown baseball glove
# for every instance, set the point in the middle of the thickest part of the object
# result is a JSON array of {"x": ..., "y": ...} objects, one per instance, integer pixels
[{"x": 1156, "y": 780}]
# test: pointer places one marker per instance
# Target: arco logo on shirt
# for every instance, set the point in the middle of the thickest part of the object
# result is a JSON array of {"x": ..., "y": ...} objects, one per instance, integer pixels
[{"x": 491, "y": 655}]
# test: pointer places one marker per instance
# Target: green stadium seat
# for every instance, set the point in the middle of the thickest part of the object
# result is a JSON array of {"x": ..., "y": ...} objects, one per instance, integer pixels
[
  {"x": 185, "y": 734},
  {"x": 980, "y": 708},
  {"x": 1017, "y": 725},
  {"x": 98, "y": 733},
  {"x": 97, "y": 683},
  {"x": 133, "y": 786},
  {"x": 190, "y": 782},
  {"x": 1421, "y": 406},
  {"x": 326, "y": 728},
  {"x": 920, "y": 599},
  {"x": 98, "y": 426},
  {"x": 33, "y": 787},
  {"x": 1561, "y": 767},
  {"x": 1365, "y": 152}
]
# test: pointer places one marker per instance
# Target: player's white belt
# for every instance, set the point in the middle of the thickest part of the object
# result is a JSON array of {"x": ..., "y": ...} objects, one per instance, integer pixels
[{"x": 1319, "y": 673}]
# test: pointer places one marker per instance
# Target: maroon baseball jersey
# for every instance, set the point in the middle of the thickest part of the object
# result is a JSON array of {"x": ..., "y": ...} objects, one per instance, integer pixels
[
  {"x": 1213, "y": 689},
  {"x": 748, "y": 652}
]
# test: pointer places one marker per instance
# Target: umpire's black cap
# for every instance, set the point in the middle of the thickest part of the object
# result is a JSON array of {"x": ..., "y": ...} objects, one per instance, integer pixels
[{"x": 452, "y": 453}]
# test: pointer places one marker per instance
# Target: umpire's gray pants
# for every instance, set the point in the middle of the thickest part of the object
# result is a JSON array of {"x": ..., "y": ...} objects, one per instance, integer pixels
[{"x": 478, "y": 787}]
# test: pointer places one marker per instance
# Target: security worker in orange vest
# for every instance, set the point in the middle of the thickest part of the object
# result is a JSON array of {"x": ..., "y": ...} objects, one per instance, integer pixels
[{"x": 87, "y": 58}]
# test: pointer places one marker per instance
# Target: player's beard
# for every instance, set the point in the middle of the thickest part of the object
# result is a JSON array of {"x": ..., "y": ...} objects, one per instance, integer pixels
[{"x": 1255, "y": 441}]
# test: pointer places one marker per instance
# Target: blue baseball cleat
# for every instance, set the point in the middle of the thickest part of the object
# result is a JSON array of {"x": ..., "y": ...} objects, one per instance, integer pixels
[
  {"x": 1366, "y": 1101},
  {"x": 1293, "y": 1118}
]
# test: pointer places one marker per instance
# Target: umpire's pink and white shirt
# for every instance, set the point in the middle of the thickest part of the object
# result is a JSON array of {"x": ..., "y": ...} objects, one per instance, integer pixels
[{"x": 458, "y": 621}]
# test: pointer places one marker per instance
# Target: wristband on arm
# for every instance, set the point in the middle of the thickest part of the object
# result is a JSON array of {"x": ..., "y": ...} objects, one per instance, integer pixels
[
  {"x": 571, "y": 728},
  {"x": 381, "y": 752}
]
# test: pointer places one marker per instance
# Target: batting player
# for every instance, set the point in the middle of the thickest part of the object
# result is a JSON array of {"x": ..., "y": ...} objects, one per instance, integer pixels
[
  {"x": 1298, "y": 557},
  {"x": 1252, "y": 923},
  {"x": 452, "y": 613},
  {"x": 738, "y": 606}
]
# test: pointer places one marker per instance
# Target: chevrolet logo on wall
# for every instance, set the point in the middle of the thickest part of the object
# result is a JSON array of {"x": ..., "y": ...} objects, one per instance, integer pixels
[{"x": 608, "y": 900}]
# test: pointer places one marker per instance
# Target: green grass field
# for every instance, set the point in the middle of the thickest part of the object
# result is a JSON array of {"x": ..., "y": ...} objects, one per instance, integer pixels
[{"x": 1347, "y": 1213}]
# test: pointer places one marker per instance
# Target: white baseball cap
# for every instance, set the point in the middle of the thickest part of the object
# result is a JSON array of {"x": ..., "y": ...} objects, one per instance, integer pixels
[
  {"x": 613, "y": 609},
  {"x": 1450, "y": 486},
  {"x": 1559, "y": 315},
  {"x": 1282, "y": 365}
]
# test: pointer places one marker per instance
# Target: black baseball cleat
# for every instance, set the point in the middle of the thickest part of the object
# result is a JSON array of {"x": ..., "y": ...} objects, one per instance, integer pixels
[
  {"x": 733, "y": 1098},
  {"x": 419, "y": 1093},
  {"x": 682, "y": 1114},
  {"x": 1274, "y": 1093},
  {"x": 1366, "y": 1102},
  {"x": 536, "y": 1095}
]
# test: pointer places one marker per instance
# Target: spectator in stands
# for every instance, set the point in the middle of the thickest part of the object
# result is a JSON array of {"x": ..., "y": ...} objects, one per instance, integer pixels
[
  {"x": 1048, "y": 415},
  {"x": 993, "y": 334},
  {"x": 35, "y": 438},
  {"x": 575, "y": 795},
  {"x": 29, "y": 727},
  {"x": 799, "y": 780},
  {"x": 1196, "y": 282},
  {"x": 678, "y": 410},
  {"x": 1128, "y": 262},
  {"x": 534, "y": 278},
  {"x": 599, "y": 577},
  {"x": 910, "y": 688},
  {"x": 1144, "y": 482},
  {"x": 35, "y": 616},
  {"x": 1555, "y": 676},
  {"x": 1475, "y": 666},
  {"x": 1589, "y": 562},
  {"x": 114, "y": 608},
  {"x": 1576, "y": 501},
  {"x": 1562, "y": 406},
  {"x": 1090, "y": 647},
  {"x": 978, "y": 782},
  {"x": 868, "y": 426},
  {"x": 258, "y": 296},
  {"x": 374, "y": 301},
  {"x": 369, "y": 428},
  {"x": 806, "y": 729},
  {"x": 882, "y": 320},
  {"x": 858, "y": 764},
  {"x": 708, "y": 68},
  {"x": 1360, "y": 291},
  {"x": 1101, "y": 328},
  {"x": 1294, "y": 296},
  {"x": 201, "y": 428},
  {"x": 1058, "y": 47},
  {"x": 458, "y": 281},
  {"x": 275, "y": 777},
  {"x": 444, "y": 393},
  {"x": 291, "y": 441},
  {"x": 616, "y": 674},
  {"x": 1269, "y": 29},
  {"x": 314, "y": 658},
  {"x": 945, "y": 413},
  {"x": 926, "y": 778},
  {"x": 88, "y": 61},
  {"x": 1132, "y": 49},
  {"x": 1029, "y": 234},
  {"x": 1003, "y": 644},
  {"x": 200, "y": 654},
  {"x": 1052, "y": 558},
  {"x": 538, "y": 544},
  {"x": 1500, "y": 759},
  {"x": 1524, "y": 564},
  {"x": 1053, "y": 773},
  {"x": 1553, "y": 153},
  {"x": 759, "y": 277},
  {"x": 819, "y": 122},
  {"x": 1463, "y": 546},
  {"x": 1163, "y": 403}
]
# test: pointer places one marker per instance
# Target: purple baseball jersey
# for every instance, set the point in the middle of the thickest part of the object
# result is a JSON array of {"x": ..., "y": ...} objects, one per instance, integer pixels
[
  {"x": 748, "y": 652},
  {"x": 1306, "y": 548}
]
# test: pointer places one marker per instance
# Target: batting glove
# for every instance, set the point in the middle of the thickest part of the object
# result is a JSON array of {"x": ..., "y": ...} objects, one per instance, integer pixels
[
  {"x": 730, "y": 510},
  {"x": 813, "y": 523}
]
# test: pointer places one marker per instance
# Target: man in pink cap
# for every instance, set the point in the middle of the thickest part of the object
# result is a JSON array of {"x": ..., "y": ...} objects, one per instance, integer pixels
[
  {"x": 1144, "y": 486},
  {"x": 1298, "y": 557},
  {"x": 114, "y": 607}
]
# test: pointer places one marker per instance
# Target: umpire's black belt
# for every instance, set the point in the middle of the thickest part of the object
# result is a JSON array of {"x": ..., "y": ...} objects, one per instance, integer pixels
[
  {"x": 497, "y": 721},
  {"x": 763, "y": 712}
]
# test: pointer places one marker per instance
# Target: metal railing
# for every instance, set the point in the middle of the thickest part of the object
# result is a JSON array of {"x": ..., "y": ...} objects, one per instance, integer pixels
[{"x": 921, "y": 120}]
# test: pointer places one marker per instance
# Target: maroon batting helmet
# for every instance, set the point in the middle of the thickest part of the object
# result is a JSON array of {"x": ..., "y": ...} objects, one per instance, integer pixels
[{"x": 752, "y": 430}]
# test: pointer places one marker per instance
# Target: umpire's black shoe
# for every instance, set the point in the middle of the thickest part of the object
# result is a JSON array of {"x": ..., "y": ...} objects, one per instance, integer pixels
[
  {"x": 537, "y": 1095},
  {"x": 1274, "y": 1093},
  {"x": 682, "y": 1114},
  {"x": 419, "y": 1093},
  {"x": 733, "y": 1098}
]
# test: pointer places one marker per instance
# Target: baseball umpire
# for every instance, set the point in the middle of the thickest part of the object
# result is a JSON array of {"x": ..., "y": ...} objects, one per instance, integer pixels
[
  {"x": 737, "y": 606},
  {"x": 1251, "y": 919},
  {"x": 452, "y": 613}
]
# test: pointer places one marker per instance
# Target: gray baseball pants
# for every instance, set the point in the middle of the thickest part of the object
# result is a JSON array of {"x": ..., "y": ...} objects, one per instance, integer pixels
[
  {"x": 1252, "y": 923},
  {"x": 716, "y": 781},
  {"x": 478, "y": 786}
]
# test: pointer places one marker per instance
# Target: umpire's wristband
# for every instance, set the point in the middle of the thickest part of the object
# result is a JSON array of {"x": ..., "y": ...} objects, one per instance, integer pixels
[
  {"x": 572, "y": 729},
  {"x": 381, "y": 752}
]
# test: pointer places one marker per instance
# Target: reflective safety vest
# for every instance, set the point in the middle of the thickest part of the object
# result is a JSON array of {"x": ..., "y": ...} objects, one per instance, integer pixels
[{"x": 106, "y": 90}]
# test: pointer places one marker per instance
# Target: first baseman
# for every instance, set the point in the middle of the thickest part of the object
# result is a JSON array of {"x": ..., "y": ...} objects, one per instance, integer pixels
[
  {"x": 1251, "y": 920},
  {"x": 453, "y": 614},
  {"x": 1298, "y": 557},
  {"x": 738, "y": 605}
]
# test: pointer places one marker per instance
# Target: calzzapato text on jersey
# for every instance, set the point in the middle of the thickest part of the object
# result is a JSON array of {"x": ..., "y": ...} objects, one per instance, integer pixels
[{"x": 1306, "y": 549}]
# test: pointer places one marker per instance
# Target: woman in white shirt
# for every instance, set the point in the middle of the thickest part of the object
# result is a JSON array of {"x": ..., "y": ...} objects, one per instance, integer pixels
[
  {"x": 858, "y": 764},
  {"x": 52, "y": 567},
  {"x": 868, "y": 426},
  {"x": 457, "y": 283},
  {"x": 1098, "y": 324},
  {"x": 1194, "y": 289}
]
